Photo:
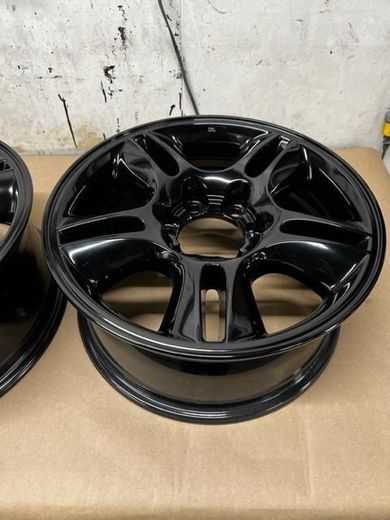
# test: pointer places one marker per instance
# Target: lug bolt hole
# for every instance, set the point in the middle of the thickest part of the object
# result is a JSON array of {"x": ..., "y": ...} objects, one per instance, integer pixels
[
  {"x": 236, "y": 211},
  {"x": 194, "y": 207}
]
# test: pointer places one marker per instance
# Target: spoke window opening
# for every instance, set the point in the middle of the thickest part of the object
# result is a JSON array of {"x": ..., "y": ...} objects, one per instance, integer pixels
[
  {"x": 3, "y": 231},
  {"x": 141, "y": 299},
  {"x": 264, "y": 156},
  {"x": 210, "y": 147},
  {"x": 283, "y": 302},
  {"x": 213, "y": 315},
  {"x": 159, "y": 154},
  {"x": 112, "y": 183},
  {"x": 302, "y": 182}
]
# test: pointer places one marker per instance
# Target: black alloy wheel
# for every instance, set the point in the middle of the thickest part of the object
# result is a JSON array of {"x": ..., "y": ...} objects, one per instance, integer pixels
[
  {"x": 31, "y": 304},
  {"x": 302, "y": 212}
]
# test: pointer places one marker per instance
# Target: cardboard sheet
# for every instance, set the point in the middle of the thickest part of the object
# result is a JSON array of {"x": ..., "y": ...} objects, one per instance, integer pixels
[{"x": 71, "y": 447}]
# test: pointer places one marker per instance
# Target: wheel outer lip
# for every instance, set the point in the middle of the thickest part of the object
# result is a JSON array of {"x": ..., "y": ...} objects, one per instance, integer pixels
[
  {"x": 44, "y": 329},
  {"x": 23, "y": 206},
  {"x": 45, "y": 325},
  {"x": 134, "y": 334}
]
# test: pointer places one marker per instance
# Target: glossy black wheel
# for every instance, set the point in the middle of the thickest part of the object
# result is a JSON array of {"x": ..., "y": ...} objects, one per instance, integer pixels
[
  {"x": 302, "y": 212},
  {"x": 31, "y": 304}
]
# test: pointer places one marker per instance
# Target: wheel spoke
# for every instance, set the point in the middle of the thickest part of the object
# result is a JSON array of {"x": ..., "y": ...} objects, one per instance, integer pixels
[
  {"x": 124, "y": 178},
  {"x": 131, "y": 158},
  {"x": 303, "y": 181},
  {"x": 262, "y": 156},
  {"x": 102, "y": 262},
  {"x": 105, "y": 248},
  {"x": 7, "y": 196},
  {"x": 318, "y": 251},
  {"x": 293, "y": 166},
  {"x": 170, "y": 148},
  {"x": 302, "y": 224},
  {"x": 183, "y": 316},
  {"x": 162, "y": 153},
  {"x": 253, "y": 147},
  {"x": 83, "y": 228},
  {"x": 282, "y": 162},
  {"x": 138, "y": 223},
  {"x": 242, "y": 318}
]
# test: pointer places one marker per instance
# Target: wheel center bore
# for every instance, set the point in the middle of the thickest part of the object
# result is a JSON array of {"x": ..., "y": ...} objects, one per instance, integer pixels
[
  {"x": 211, "y": 237},
  {"x": 213, "y": 215}
]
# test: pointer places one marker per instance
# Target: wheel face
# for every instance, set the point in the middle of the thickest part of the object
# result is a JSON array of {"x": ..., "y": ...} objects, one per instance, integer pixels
[
  {"x": 301, "y": 211},
  {"x": 30, "y": 303}
]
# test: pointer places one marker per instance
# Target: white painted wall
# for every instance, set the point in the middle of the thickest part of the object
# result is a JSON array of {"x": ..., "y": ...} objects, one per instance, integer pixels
[{"x": 319, "y": 66}]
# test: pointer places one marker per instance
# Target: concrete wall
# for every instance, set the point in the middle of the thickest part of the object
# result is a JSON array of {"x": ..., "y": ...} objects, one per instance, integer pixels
[{"x": 319, "y": 66}]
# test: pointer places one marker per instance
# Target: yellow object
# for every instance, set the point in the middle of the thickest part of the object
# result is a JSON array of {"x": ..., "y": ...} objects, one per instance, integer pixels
[{"x": 386, "y": 129}]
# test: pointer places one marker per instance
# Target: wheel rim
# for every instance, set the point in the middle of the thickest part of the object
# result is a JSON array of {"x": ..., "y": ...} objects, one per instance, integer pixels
[
  {"x": 31, "y": 304},
  {"x": 121, "y": 207},
  {"x": 15, "y": 198}
]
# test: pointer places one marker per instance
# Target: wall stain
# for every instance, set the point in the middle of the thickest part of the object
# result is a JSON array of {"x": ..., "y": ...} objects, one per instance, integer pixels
[
  {"x": 62, "y": 99},
  {"x": 58, "y": 136},
  {"x": 215, "y": 8},
  {"x": 109, "y": 72},
  {"x": 104, "y": 136},
  {"x": 123, "y": 36},
  {"x": 326, "y": 7},
  {"x": 180, "y": 103},
  {"x": 171, "y": 109},
  {"x": 352, "y": 33},
  {"x": 118, "y": 127},
  {"x": 56, "y": 76},
  {"x": 123, "y": 12},
  {"x": 180, "y": 59},
  {"x": 86, "y": 138},
  {"x": 103, "y": 91},
  {"x": 23, "y": 68}
]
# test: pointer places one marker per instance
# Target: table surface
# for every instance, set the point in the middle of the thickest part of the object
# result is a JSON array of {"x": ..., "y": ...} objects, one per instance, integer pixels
[{"x": 72, "y": 447}]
